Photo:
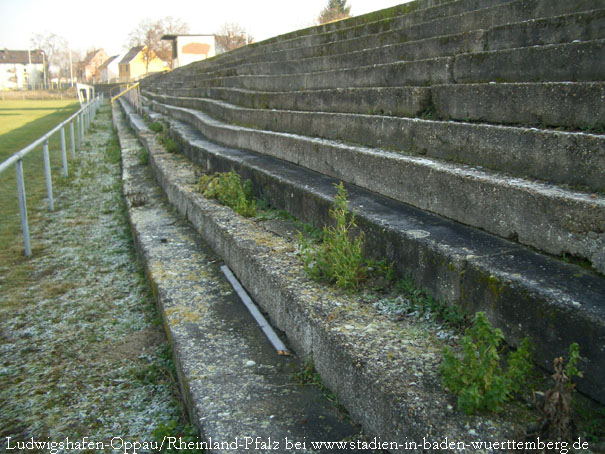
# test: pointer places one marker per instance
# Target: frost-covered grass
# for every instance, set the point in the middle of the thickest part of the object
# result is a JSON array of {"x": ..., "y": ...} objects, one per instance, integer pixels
[
  {"x": 82, "y": 351},
  {"x": 22, "y": 122}
]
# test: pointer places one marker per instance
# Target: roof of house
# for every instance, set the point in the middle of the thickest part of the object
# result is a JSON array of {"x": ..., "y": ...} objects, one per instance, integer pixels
[
  {"x": 131, "y": 54},
  {"x": 107, "y": 62},
  {"x": 92, "y": 54},
  {"x": 21, "y": 56}
]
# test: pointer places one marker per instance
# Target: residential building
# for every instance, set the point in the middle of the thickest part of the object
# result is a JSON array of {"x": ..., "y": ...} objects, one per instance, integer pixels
[
  {"x": 137, "y": 63},
  {"x": 21, "y": 69},
  {"x": 109, "y": 71},
  {"x": 87, "y": 69}
]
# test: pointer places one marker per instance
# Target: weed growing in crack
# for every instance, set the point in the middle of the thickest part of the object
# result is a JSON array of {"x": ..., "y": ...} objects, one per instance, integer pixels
[
  {"x": 143, "y": 156},
  {"x": 168, "y": 142},
  {"x": 308, "y": 376},
  {"x": 186, "y": 434},
  {"x": 156, "y": 127},
  {"x": 228, "y": 189},
  {"x": 338, "y": 258},
  {"x": 478, "y": 378}
]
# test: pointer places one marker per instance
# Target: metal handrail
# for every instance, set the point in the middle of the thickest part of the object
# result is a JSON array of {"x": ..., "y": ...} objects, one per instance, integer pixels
[
  {"x": 124, "y": 92},
  {"x": 82, "y": 118}
]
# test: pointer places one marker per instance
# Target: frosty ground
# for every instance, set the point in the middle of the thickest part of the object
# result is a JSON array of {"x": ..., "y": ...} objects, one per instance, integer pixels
[{"x": 82, "y": 349}]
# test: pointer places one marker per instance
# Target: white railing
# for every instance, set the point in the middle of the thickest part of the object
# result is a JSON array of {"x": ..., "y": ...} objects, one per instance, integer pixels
[{"x": 82, "y": 120}]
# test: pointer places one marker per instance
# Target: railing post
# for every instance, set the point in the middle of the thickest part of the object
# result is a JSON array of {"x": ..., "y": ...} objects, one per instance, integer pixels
[
  {"x": 81, "y": 130},
  {"x": 49, "y": 181},
  {"x": 79, "y": 143},
  {"x": 23, "y": 207},
  {"x": 71, "y": 135},
  {"x": 63, "y": 151}
]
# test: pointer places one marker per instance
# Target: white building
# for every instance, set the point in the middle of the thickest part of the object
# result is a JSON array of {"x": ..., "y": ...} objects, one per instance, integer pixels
[
  {"x": 109, "y": 71},
  {"x": 21, "y": 69},
  {"x": 189, "y": 48}
]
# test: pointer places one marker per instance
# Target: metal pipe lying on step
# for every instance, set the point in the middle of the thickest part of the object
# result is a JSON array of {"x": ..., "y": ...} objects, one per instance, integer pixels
[{"x": 260, "y": 319}]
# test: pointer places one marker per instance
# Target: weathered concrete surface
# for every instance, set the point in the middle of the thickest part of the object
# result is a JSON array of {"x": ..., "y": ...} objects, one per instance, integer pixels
[
  {"x": 508, "y": 280},
  {"x": 564, "y": 104},
  {"x": 417, "y": 72},
  {"x": 384, "y": 371},
  {"x": 396, "y": 101},
  {"x": 500, "y": 16},
  {"x": 450, "y": 18},
  {"x": 213, "y": 337},
  {"x": 575, "y": 159},
  {"x": 573, "y": 105},
  {"x": 534, "y": 64},
  {"x": 557, "y": 24},
  {"x": 549, "y": 218},
  {"x": 387, "y": 47},
  {"x": 516, "y": 286},
  {"x": 574, "y": 62}
]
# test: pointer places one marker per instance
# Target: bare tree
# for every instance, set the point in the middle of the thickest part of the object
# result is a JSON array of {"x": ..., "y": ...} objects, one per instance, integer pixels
[
  {"x": 148, "y": 34},
  {"x": 334, "y": 10},
  {"x": 50, "y": 44},
  {"x": 231, "y": 36}
]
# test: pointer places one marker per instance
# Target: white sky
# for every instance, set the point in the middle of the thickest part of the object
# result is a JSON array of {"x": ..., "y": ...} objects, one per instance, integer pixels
[{"x": 107, "y": 23}]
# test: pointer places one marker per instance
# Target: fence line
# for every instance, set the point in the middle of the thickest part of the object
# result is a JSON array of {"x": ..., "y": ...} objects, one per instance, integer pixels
[{"x": 82, "y": 120}]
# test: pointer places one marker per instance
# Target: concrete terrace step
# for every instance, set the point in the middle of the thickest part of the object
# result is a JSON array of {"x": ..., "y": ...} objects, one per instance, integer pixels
[
  {"x": 235, "y": 385},
  {"x": 395, "y": 101},
  {"x": 547, "y": 217},
  {"x": 557, "y": 23},
  {"x": 516, "y": 286},
  {"x": 397, "y": 399},
  {"x": 553, "y": 104},
  {"x": 542, "y": 154},
  {"x": 579, "y": 62},
  {"x": 585, "y": 26},
  {"x": 356, "y": 26}
]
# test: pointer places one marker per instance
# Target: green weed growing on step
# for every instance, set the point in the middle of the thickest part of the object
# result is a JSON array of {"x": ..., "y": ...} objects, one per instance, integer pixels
[
  {"x": 338, "y": 258},
  {"x": 143, "y": 156},
  {"x": 228, "y": 189},
  {"x": 169, "y": 143},
  {"x": 307, "y": 375},
  {"x": 156, "y": 126},
  {"x": 186, "y": 435},
  {"x": 478, "y": 378}
]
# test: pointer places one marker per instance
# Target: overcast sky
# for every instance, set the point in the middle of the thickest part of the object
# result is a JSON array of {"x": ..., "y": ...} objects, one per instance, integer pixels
[{"x": 107, "y": 23}]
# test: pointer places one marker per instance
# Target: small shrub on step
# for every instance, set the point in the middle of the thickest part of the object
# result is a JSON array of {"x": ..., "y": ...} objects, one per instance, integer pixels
[
  {"x": 228, "y": 189},
  {"x": 478, "y": 378}
]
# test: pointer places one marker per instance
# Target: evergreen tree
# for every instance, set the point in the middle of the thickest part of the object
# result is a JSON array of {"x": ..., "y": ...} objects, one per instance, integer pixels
[{"x": 335, "y": 10}]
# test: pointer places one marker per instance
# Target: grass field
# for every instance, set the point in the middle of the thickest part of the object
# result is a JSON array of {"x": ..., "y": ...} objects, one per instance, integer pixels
[
  {"x": 82, "y": 346},
  {"x": 21, "y": 123}
]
